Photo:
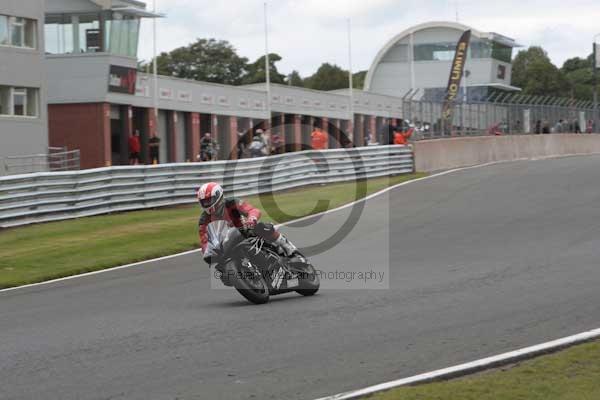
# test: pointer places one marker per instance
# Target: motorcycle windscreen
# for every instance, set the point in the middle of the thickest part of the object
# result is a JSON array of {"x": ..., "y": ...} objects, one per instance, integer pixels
[{"x": 217, "y": 233}]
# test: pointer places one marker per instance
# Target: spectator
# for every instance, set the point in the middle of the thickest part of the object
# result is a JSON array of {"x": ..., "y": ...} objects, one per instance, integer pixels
[
  {"x": 206, "y": 144},
  {"x": 402, "y": 137},
  {"x": 495, "y": 130},
  {"x": 154, "y": 146},
  {"x": 559, "y": 127},
  {"x": 258, "y": 147},
  {"x": 134, "y": 148},
  {"x": 318, "y": 139},
  {"x": 276, "y": 144},
  {"x": 241, "y": 144},
  {"x": 590, "y": 126},
  {"x": 546, "y": 127},
  {"x": 577, "y": 126},
  {"x": 538, "y": 127}
]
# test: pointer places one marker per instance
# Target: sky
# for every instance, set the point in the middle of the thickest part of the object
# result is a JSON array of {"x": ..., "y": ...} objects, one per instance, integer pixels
[{"x": 307, "y": 33}]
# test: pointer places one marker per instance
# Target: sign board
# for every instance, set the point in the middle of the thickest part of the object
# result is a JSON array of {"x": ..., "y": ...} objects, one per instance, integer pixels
[
  {"x": 166, "y": 94},
  {"x": 456, "y": 74},
  {"x": 93, "y": 40},
  {"x": 122, "y": 79}
]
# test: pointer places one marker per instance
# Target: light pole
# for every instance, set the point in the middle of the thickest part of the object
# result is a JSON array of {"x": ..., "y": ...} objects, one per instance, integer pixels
[{"x": 595, "y": 77}]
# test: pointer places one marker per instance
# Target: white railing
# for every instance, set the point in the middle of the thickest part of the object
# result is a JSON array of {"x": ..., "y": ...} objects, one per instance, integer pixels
[
  {"x": 42, "y": 197},
  {"x": 57, "y": 159}
]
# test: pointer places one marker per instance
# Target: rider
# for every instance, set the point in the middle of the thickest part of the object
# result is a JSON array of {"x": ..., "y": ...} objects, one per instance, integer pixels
[{"x": 237, "y": 213}]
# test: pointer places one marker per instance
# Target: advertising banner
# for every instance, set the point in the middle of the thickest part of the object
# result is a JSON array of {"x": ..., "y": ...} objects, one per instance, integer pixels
[
  {"x": 122, "y": 79},
  {"x": 456, "y": 74}
]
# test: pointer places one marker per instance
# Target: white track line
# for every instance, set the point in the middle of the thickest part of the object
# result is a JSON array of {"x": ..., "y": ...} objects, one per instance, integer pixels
[
  {"x": 474, "y": 366},
  {"x": 383, "y": 191}
]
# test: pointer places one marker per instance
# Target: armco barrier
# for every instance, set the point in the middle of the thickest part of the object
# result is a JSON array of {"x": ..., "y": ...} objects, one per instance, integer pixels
[
  {"x": 43, "y": 197},
  {"x": 436, "y": 155}
]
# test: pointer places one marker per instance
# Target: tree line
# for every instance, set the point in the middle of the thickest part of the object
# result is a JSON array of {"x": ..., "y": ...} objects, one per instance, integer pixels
[
  {"x": 217, "y": 61},
  {"x": 537, "y": 75}
]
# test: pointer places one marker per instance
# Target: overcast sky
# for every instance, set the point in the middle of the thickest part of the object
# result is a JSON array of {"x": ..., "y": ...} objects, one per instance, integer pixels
[{"x": 307, "y": 33}]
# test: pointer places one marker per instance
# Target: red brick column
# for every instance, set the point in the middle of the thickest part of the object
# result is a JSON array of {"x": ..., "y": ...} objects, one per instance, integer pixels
[
  {"x": 172, "y": 135},
  {"x": 360, "y": 132},
  {"x": 106, "y": 131},
  {"x": 193, "y": 139},
  {"x": 350, "y": 132},
  {"x": 338, "y": 134},
  {"x": 297, "y": 132},
  {"x": 325, "y": 127},
  {"x": 372, "y": 128},
  {"x": 214, "y": 127},
  {"x": 150, "y": 129},
  {"x": 233, "y": 128}
]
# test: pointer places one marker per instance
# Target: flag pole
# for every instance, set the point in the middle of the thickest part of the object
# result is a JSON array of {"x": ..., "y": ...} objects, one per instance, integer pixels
[
  {"x": 267, "y": 68},
  {"x": 154, "y": 63},
  {"x": 350, "y": 81}
]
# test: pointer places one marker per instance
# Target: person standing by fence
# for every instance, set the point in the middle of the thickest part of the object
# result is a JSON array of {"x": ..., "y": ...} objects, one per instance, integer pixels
[
  {"x": 318, "y": 139},
  {"x": 134, "y": 148},
  {"x": 154, "y": 146}
]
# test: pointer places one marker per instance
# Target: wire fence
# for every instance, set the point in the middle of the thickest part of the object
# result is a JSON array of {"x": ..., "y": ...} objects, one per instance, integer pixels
[
  {"x": 57, "y": 159},
  {"x": 502, "y": 113}
]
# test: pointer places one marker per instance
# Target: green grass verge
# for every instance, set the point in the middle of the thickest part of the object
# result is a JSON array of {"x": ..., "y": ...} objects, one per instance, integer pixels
[
  {"x": 572, "y": 374},
  {"x": 54, "y": 250}
]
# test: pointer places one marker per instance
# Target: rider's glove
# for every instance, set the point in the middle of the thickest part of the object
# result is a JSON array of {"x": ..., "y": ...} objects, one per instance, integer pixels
[{"x": 250, "y": 223}]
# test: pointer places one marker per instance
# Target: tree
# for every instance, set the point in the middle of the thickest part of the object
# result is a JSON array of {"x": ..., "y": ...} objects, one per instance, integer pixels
[
  {"x": 358, "y": 79},
  {"x": 294, "y": 79},
  {"x": 536, "y": 75},
  {"x": 256, "y": 71},
  {"x": 328, "y": 77},
  {"x": 578, "y": 73},
  {"x": 207, "y": 60}
]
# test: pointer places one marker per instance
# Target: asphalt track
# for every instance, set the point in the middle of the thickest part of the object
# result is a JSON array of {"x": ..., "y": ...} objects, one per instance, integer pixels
[{"x": 482, "y": 261}]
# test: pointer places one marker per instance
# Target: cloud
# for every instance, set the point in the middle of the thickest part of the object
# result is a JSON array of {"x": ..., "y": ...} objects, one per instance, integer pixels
[{"x": 309, "y": 32}]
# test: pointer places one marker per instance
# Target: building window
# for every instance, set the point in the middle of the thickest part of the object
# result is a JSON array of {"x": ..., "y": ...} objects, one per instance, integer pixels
[
  {"x": 18, "y": 102},
  {"x": 435, "y": 52},
  {"x": 122, "y": 35},
  {"x": 89, "y": 33},
  {"x": 17, "y": 32},
  {"x": 501, "y": 52}
]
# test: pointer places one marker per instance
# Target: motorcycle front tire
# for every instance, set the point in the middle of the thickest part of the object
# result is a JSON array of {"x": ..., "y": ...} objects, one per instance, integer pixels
[{"x": 252, "y": 293}]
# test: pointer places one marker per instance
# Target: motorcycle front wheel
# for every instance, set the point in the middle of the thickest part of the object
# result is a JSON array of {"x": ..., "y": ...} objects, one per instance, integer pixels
[
  {"x": 254, "y": 288},
  {"x": 310, "y": 281}
]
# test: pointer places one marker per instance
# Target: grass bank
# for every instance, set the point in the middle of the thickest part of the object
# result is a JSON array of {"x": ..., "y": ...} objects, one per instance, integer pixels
[
  {"x": 54, "y": 250},
  {"x": 572, "y": 374}
]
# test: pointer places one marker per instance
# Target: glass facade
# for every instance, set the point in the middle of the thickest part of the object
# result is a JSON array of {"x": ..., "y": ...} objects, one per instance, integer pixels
[
  {"x": 122, "y": 36},
  {"x": 502, "y": 52},
  {"x": 478, "y": 48},
  {"x": 435, "y": 52},
  {"x": 92, "y": 33},
  {"x": 18, "y": 32}
]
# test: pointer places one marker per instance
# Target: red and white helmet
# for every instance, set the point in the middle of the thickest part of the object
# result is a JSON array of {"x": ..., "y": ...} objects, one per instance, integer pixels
[{"x": 210, "y": 197}]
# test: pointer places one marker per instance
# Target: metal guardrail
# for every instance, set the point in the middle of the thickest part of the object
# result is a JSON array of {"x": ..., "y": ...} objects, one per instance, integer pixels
[
  {"x": 43, "y": 197},
  {"x": 57, "y": 159}
]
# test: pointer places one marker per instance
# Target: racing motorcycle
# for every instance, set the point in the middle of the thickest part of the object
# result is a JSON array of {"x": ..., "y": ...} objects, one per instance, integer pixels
[{"x": 254, "y": 267}]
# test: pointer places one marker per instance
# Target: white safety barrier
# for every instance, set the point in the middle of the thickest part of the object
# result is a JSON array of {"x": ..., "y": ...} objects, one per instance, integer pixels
[{"x": 42, "y": 197}]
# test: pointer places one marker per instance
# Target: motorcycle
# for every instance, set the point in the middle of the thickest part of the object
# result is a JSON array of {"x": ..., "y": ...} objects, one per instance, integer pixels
[{"x": 254, "y": 267}]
